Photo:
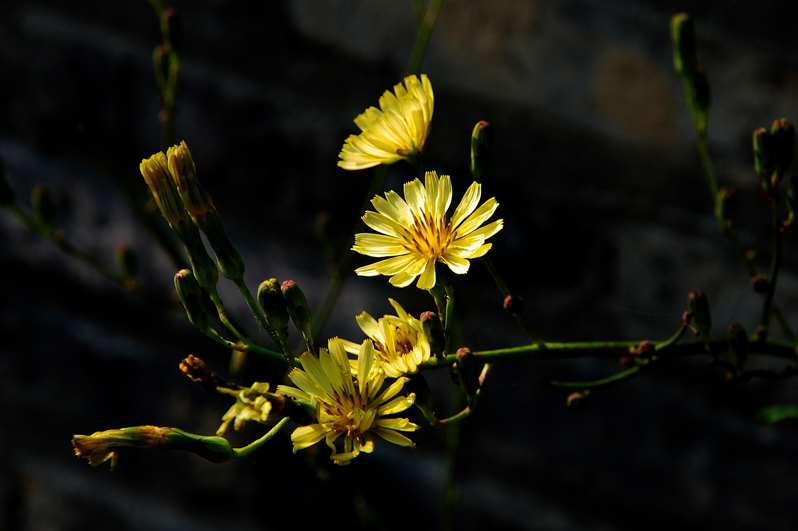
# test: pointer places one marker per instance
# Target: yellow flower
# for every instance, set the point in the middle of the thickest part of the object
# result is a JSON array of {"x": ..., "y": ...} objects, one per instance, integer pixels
[
  {"x": 399, "y": 340},
  {"x": 395, "y": 132},
  {"x": 416, "y": 233},
  {"x": 345, "y": 406},
  {"x": 251, "y": 404}
]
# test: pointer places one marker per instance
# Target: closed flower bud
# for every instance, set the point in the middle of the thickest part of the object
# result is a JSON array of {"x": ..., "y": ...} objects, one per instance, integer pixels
[
  {"x": 703, "y": 96},
  {"x": 481, "y": 150},
  {"x": 199, "y": 372},
  {"x": 431, "y": 325},
  {"x": 200, "y": 207},
  {"x": 685, "y": 59},
  {"x": 43, "y": 207},
  {"x": 468, "y": 371},
  {"x": 297, "y": 306},
  {"x": 195, "y": 199},
  {"x": 155, "y": 171},
  {"x": 104, "y": 445},
  {"x": 725, "y": 207},
  {"x": 270, "y": 298},
  {"x": 702, "y": 320},
  {"x": 764, "y": 155},
  {"x": 514, "y": 304},
  {"x": 7, "y": 195},
  {"x": 783, "y": 133},
  {"x": 127, "y": 260},
  {"x": 190, "y": 294},
  {"x": 760, "y": 283}
]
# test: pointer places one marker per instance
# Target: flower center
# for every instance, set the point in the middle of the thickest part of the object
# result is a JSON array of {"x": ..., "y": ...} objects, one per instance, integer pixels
[{"x": 428, "y": 237}]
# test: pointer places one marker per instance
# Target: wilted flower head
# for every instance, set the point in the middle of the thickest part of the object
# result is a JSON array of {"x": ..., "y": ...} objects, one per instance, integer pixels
[
  {"x": 395, "y": 131},
  {"x": 399, "y": 341},
  {"x": 346, "y": 406},
  {"x": 417, "y": 233},
  {"x": 252, "y": 403}
]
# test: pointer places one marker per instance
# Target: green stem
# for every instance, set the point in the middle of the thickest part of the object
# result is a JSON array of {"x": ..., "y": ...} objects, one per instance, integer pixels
[
  {"x": 424, "y": 33},
  {"x": 345, "y": 262},
  {"x": 249, "y": 346},
  {"x": 605, "y": 382},
  {"x": 248, "y": 449},
  {"x": 505, "y": 291},
  {"x": 448, "y": 323},
  {"x": 611, "y": 349},
  {"x": 775, "y": 263}
]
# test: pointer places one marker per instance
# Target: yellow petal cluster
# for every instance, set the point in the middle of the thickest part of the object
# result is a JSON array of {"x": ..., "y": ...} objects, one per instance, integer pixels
[
  {"x": 345, "y": 406},
  {"x": 398, "y": 129},
  {"x": 251, "y": 404},
  {"x": 416, "y": 232},
  {"x": 399, "y": 340}
]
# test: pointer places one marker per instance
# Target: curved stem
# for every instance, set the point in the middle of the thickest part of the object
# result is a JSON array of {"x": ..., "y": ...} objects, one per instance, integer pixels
[
  {"x": 248, "y": 449},
  {"x": 775, "y": 263}
]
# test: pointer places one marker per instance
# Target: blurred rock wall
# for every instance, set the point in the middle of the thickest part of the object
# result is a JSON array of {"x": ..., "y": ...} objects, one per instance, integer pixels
[{"x": 608, "y": 227}]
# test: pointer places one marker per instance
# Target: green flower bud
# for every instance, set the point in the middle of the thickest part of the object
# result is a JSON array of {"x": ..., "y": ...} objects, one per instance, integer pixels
[
  {"x": 43, "y": 207},
  {"x": 270, "y": 298},
  {"x": 702, "y": 320},
  {"x": 481, "y": 150},
  {"x": 297, "y": 306},
  {"x": 703, "y": 97},
  {"x": 685, "y": 57},
  {"x": 725, "y": 208},
  {"x": 103, "y": 445},
  {"x": 190, "y": 294},
  {"x": 468, "y": 370},
  {"x": 764, "y": 156},
  {"x": 431, "y": 325},
  {"x": 783, "y": 133},
  {"x": 7, "y": 195},
  {"x": 127, "y": 260}
]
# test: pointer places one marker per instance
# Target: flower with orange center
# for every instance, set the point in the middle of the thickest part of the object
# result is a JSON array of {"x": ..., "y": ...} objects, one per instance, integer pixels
[
  {"x": 416, "y": 232},
  {"x": 399, "y": 341},
  {"x": 345, "y": 406}
]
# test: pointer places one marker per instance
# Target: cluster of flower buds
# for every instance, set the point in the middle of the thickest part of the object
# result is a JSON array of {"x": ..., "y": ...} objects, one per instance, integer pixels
[
  {"x": 773, "y": 152},
  {"x": 469, "y": 372}
]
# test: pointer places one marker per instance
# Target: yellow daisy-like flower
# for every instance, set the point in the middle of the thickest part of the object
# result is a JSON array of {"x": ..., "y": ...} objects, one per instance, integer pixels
[
  {"x": 399, "y": 339},
  {"x": 396, "y": 131},
  {"x": 416, "y": 233},
  {"x": 345, "y": 406}
]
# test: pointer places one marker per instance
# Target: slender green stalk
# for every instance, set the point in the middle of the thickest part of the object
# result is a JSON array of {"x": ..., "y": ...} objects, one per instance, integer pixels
[
  {"x": 424, "y": 33},
  {"x": 615, "y": 379},
  {"x": 505, "y": 291},
  {"x": 247, "y": 346},
  {"x": 775, "y": 263},
  {"x": 421, "y": 10},
  {"x": 345, "y": 262},
  {"x": 248, "y": 449},
  {"x": 612, "y": 349}
]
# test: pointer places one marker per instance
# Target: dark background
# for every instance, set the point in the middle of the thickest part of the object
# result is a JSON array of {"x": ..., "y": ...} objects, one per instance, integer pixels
[{"x": 608, "y": 226}]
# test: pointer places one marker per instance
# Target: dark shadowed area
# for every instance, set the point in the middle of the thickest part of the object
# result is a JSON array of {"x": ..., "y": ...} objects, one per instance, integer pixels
[{"x": 608, "y": 226}]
